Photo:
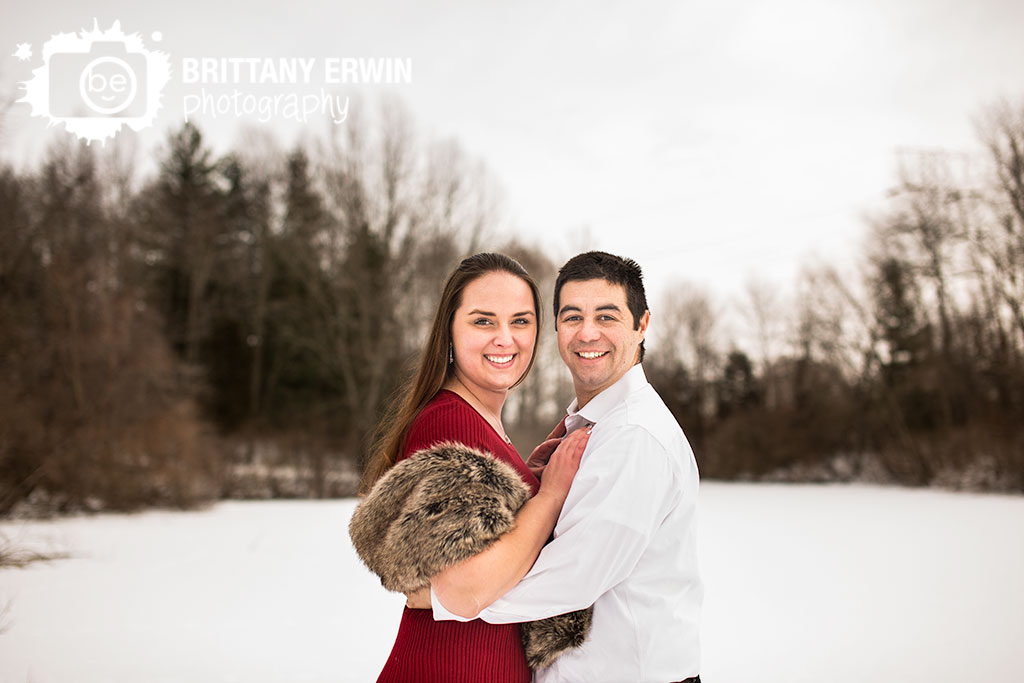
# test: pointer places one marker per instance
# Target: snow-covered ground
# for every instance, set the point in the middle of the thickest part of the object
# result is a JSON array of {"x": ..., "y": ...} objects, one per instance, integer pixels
[{"x": 816, "y": 584}]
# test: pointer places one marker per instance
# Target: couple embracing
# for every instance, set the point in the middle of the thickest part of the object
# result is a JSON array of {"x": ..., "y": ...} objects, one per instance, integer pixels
[{"x": 576, "y": 566}]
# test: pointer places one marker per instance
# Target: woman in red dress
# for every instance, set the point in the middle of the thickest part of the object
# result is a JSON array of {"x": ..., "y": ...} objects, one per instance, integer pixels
[{"x": 481, "y": 344}]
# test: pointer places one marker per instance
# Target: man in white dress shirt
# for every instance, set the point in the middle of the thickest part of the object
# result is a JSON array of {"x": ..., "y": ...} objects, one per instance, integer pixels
[{"x": 625, "y": 541}]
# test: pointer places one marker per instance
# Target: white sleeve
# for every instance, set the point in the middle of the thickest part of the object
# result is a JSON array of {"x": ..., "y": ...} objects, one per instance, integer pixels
[{"x": 620, "y": 495}]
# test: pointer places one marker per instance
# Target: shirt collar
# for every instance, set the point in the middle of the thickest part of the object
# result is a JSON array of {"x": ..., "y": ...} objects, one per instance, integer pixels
[{"x": 600, "y": 405}]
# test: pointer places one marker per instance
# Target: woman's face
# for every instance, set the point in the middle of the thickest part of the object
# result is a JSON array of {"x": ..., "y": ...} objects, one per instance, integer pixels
[{"x": 494, "y": 332}]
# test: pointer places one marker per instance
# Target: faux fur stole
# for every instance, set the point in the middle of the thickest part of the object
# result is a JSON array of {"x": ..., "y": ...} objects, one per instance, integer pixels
[{"x": 438, "y": 507}]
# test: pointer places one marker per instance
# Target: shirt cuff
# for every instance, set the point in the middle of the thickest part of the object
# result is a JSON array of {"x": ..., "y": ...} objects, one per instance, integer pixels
[{"x": 440, "y": 613}]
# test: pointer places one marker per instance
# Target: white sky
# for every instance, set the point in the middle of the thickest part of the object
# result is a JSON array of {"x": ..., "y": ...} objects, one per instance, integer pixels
[{"x": 711, "y": 141}]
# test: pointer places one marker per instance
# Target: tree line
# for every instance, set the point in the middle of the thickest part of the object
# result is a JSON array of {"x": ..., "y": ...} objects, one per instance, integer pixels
[
  {"x": 230, "y": 325},
  {"x": 908, "y": 370}
]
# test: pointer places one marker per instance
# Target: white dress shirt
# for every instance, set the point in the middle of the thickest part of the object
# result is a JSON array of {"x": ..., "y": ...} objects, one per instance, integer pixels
[{"x": 625, "y": 542}]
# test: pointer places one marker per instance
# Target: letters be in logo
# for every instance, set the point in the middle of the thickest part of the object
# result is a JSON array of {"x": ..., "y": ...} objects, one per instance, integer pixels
[{"x": 95, "y": 82}]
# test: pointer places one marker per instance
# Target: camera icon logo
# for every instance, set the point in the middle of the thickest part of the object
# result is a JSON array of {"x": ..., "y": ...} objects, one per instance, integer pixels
[
  {"x": 107, "y": 81},
  {"x": 97, "y": 81}
]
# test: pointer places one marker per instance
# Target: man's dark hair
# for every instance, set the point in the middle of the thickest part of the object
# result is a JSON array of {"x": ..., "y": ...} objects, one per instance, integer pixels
[{"x": 599, "y": 265}]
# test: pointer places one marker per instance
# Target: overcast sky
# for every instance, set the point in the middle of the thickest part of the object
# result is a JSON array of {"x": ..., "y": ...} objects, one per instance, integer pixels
[{"x": 711, "y": 141}]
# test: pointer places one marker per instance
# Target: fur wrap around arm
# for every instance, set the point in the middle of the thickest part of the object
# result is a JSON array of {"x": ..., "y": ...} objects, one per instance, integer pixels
[{"x": 443, "y": 505}]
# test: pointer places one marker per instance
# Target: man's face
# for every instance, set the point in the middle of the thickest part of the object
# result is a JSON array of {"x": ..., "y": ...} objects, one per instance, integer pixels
[{"x": 595, "y": 335}]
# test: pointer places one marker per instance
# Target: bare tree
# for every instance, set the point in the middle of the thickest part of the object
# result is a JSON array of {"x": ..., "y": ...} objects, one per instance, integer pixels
[
  {"x": 999, "y": 241},
  {"x": 762, "y": 312},
  {"x": 403, "y": 215},
  {"x": 925, "y": 218},
  {"x": 684, "y": 359},
  {"x": 94, "y": 413},
  {"x": 686, "y": 330}
]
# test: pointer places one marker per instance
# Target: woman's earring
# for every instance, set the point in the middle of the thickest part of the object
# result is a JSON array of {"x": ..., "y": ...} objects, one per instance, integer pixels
[{"x": 451, "y": 354}]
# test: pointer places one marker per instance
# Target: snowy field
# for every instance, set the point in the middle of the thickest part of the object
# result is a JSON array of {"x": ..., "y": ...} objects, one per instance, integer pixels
[{"x": 804, "y": 584}]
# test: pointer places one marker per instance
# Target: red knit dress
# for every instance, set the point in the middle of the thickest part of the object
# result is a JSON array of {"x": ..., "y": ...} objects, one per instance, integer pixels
[{"x": 428, "y": 651}]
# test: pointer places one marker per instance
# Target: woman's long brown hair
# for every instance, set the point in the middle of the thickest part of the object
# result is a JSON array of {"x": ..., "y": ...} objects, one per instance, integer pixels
[{"x": 433, "y": 369}]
